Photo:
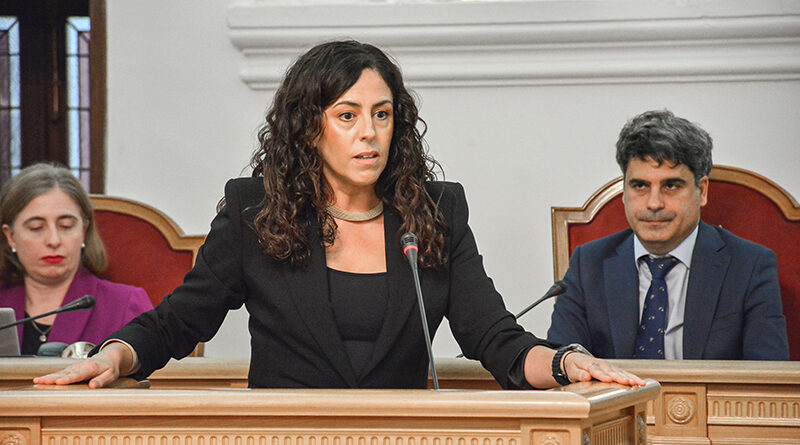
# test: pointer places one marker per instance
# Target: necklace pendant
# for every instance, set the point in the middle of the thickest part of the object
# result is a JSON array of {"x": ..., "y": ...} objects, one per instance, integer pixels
[{"x": 42, "y": 338}]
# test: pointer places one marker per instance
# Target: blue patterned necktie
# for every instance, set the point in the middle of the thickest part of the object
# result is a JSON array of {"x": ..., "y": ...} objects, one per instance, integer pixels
[{"x": 650, "y": 337}]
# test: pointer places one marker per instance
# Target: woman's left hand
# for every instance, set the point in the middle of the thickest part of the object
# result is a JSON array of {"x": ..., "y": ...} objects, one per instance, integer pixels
[{"x": 582, "y": 368}]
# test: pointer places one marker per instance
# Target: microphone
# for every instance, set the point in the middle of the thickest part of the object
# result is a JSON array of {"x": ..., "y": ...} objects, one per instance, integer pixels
[
  {"x": 85, "y": 302},
  {"x": 558, "y": 288},
  {"x": 410, "y": 244}
]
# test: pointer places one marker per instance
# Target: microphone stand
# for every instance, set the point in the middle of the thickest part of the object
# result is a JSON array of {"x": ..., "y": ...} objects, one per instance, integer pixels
[
  {"x": 410, "y": 248},
  {"x": 557, "y": 288},
  {"x": 85, "y": 302}
]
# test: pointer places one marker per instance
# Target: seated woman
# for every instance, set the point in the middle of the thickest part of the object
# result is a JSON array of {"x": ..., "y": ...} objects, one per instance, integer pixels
[
  {"x": 310, "y": 244},
  {"x": 49, "y": 255}
]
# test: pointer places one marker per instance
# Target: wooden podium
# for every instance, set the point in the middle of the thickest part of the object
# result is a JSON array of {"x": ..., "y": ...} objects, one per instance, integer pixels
[
  {"x": 579, "y": 414},
  {"x": 700, "y": 402}
]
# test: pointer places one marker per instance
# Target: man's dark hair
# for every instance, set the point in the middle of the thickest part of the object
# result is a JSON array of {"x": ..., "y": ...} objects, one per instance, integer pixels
[{"x": 662, "y": 136}]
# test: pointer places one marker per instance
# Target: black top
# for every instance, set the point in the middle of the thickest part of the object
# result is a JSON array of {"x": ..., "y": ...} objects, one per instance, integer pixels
[
  {"x": 359, "y": 302},
  {"x": 30, "y": 337},
  {"x": 295, "y": 339}
]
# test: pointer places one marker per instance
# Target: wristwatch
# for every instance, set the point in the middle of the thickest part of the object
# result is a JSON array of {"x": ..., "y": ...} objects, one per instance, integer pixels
[{"x": 559, "y": 373}]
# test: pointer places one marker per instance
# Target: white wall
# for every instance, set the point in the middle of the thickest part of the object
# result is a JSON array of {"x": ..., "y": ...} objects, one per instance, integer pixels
[{"x": 525, "y": 122}]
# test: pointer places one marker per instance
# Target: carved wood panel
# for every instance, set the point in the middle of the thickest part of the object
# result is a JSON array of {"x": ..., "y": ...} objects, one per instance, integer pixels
[
  {"x": 680, "y": 411},
  {"x": 16, "y": 431},
  {"x": 613, "y": 432},
  {"x": 749, "y": 409},
  {"x": 195, "y": 436}
]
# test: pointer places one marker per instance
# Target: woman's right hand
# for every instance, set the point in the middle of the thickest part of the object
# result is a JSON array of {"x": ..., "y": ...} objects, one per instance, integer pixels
[{"x": 101, "y": 369}]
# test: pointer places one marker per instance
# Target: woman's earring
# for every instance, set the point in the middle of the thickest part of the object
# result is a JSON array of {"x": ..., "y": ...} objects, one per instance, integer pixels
[
  {"x": 13, "y": 250},
  {"x": 83, "y": 245}
]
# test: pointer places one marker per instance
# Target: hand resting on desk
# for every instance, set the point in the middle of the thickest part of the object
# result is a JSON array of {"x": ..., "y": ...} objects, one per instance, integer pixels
[
  {"x": 579, "y": 367},
  {"x": 101, "y": 370}
]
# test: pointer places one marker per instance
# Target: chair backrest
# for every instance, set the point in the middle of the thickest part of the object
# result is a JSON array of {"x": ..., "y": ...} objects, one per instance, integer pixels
[
  {"x": 744, "y": 202},
  {"x": 145, "y": 247}
]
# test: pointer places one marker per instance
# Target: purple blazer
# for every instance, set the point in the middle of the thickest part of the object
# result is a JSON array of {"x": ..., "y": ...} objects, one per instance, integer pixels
[{"x": 117, "y": 304}]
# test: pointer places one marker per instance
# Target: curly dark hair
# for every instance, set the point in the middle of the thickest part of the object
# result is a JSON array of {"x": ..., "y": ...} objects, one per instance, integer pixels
[
  {"x": 291, "y": 165},
  {"x": 662, "y": 136}
]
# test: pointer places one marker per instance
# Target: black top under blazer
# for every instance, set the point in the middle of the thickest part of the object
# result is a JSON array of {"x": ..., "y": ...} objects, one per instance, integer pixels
[{"x": 294, "y": 339}]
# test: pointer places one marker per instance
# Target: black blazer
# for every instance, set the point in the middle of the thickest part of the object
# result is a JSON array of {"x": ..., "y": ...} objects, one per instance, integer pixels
[
  {"x": 733, "y": 302},
  {"x": 294, "y": 339}
]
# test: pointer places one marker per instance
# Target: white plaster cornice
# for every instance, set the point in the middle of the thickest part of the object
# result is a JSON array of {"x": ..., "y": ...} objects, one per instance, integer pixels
[{"x": 450, "y": 44}]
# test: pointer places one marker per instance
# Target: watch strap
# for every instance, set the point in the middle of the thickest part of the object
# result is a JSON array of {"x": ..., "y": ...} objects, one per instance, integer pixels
[{"x": 559, "y": 373}]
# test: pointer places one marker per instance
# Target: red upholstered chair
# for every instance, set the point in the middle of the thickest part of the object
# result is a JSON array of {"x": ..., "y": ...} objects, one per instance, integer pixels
[
  {"x": 744, "y": 202},
  {"x": 145, "y": 247}
]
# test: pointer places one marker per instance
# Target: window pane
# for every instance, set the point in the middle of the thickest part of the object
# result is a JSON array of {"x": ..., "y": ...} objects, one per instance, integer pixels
[
  {"x": 77, "y": 49},
  {"x": 10, "y": 129},
  {"x": 16, "y": 142},
  {"x": 74, "y": 119}
]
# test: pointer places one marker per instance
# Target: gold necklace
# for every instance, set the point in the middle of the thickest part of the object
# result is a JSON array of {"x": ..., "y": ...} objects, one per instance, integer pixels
[
  {"x": 336, "y": 212},
  {"x": 42, "y": 334}
]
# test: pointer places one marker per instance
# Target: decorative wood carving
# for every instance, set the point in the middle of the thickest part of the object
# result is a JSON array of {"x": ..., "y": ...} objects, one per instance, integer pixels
[
  {"x": 777, "y": 384},
  {"x": 196, "y": 436},
  {"x": 761, "y": 409},
  {"x": 680, "y": 409},
  {"x": 747, "y": 441},
  {"x": 613, "y": 432},
  {"x": 76, "y": 415},
  {"x": 641, "y": 429},
  {"x": 550, "y": 438},
  {"x": 12, "y": 438}
]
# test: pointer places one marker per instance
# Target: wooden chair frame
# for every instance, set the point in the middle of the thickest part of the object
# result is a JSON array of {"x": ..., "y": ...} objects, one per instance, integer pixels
[
  {"x": 562, "y": 217},
  {"x": 175, "y": 237}
]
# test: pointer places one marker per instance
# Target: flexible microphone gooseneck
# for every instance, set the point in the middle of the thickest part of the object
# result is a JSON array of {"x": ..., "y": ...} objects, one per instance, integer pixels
[
  {"x": 410, "y": 244},
  {"x": 558, "y": 288},
  {"x": 85, "y": 302}
]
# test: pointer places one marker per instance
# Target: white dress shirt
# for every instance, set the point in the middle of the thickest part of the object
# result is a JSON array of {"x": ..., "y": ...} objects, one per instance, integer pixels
[{"x": 677, "y": 284}]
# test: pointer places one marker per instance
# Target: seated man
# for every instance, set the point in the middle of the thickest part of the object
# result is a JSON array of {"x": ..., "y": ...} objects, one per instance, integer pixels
[{"x": 679, "y": 288}]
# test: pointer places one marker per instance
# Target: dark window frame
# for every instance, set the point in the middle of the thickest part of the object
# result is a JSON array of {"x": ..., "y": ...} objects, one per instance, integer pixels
[{"x": 43, "y": 95}]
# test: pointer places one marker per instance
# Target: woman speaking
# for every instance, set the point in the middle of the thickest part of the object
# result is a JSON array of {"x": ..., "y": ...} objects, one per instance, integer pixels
[{"x": 310, "y": 245}]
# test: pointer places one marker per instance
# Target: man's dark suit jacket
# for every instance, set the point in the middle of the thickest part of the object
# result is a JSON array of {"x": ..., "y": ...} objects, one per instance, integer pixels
[
  {"x": 294, "y": 339},
  {"x": 733, "y": 303}
]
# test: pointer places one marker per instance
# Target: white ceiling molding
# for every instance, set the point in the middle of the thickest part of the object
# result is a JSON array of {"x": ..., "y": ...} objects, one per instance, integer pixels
[{"x": 451, "y": 44}]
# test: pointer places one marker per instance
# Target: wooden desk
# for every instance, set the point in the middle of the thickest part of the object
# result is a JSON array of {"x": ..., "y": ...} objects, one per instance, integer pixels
[
  {"x": 722, "y": 402},
  {"x": 700, "y": 401},
  {"x": 580, "y": 414}
]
